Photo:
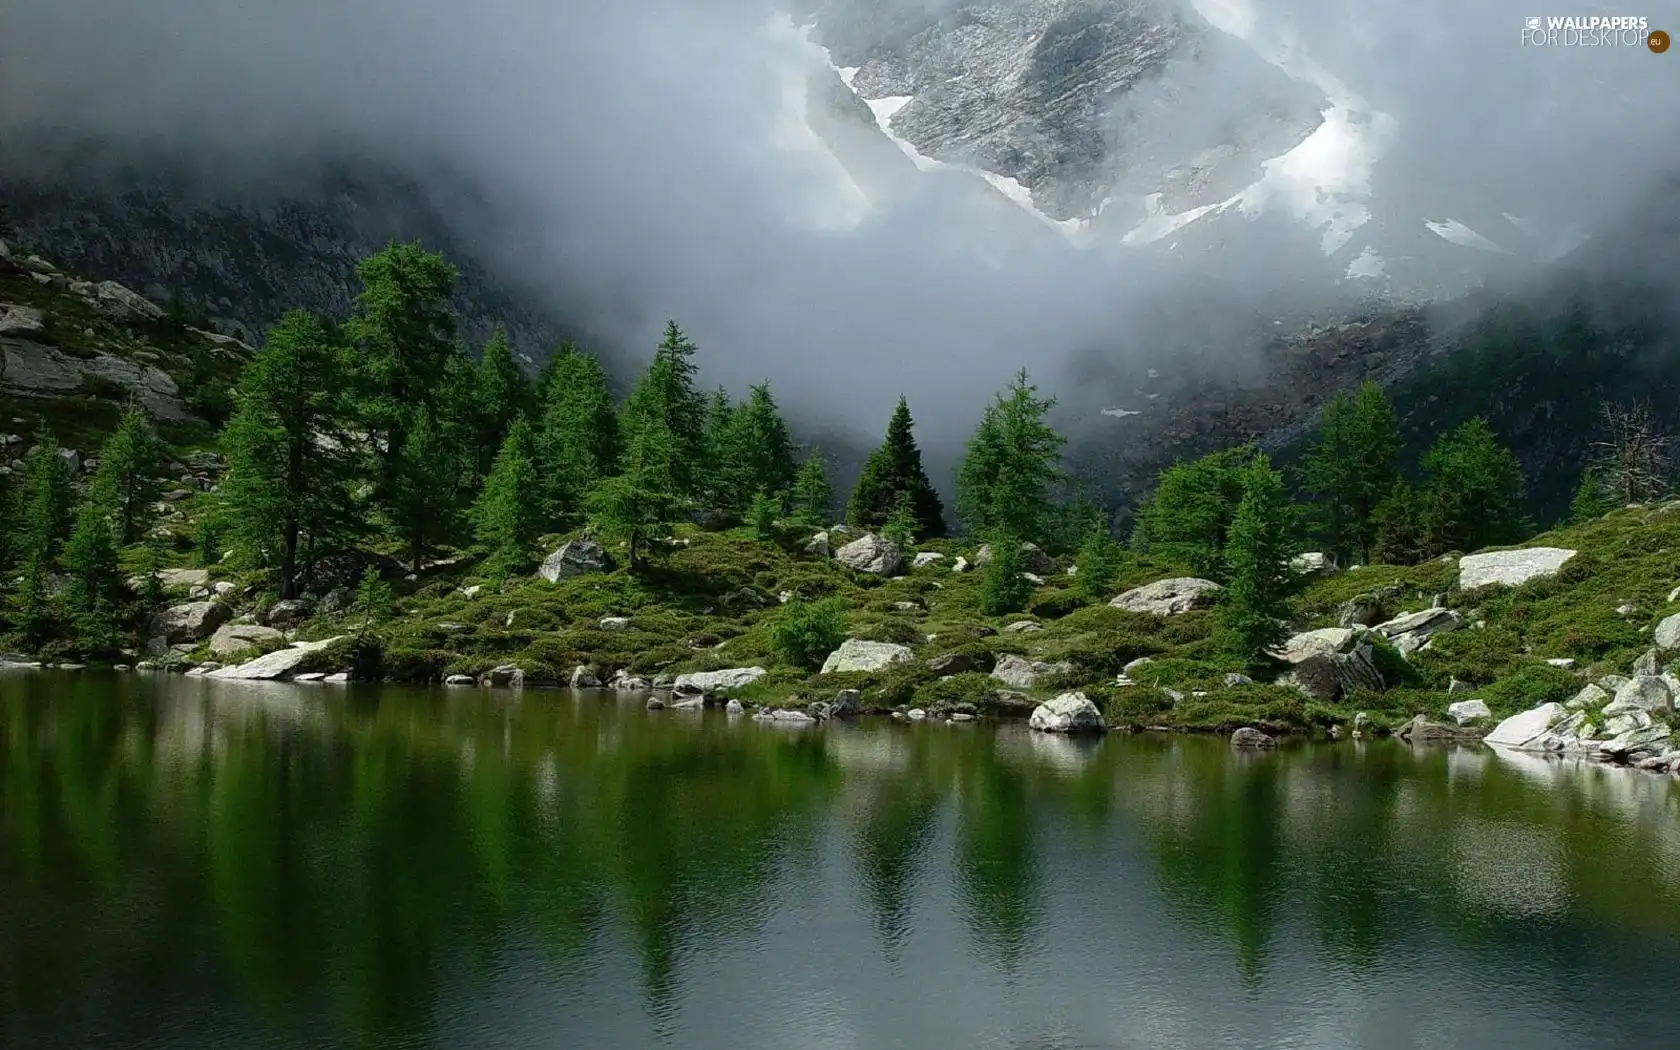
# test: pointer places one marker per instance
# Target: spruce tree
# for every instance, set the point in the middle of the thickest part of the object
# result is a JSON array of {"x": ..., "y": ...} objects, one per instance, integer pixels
[
  {"x": 895, "y": 467},
  {"x": 1254, "y": 609},
  {"x": 432, "y": 477},
  {"x": 1188, "y": 517},
  {"x": 126, "y": 481},
  {"x": 1010, "y": 465},
  {"x": 375, "y": 602},
  {"x": 638, "y": 505},
  {"x": 287, "y": 487},
  {"x": 508, "y": 516},
  {"x": 1003, "y": 588},
  {"x": 1351, "y": 467},
  {"x": 1396, "y": 537},
  {"x": 900, "y": 528},
  {"x": 1591, "y": 499},
  {"x": 667, "y": 400},
  {"x": 578, "y": 439},
  {"x": 812, "y": 495},
  {"x": 1099, "y": 560},
  {"x": 501, "y": 393},
  {"x": 758, "y": 450},
  {"x": 761, "y": 515},
  {"x": 1473, "y": 493},
  {"x": 403, "y": 330},
  {"x": 94, "y": 588},
  {"x": 43, "y": 504}
]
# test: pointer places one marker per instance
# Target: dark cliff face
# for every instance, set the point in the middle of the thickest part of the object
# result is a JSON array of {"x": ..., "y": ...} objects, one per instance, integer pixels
[{"x": 243, "y": 252}]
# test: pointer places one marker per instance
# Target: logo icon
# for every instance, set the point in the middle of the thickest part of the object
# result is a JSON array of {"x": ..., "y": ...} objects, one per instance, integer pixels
[
  {"x": 1533, "y": 23},
  {"x": 1657, "y": 41}
]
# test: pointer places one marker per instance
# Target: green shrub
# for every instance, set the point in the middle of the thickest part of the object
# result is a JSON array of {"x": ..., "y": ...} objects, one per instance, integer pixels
[
  {"x": 1002, "y": 587},
  {"x": 1132, "y": 705},
  {"x": 1530, "y": 686},
  {"x": 806, "y": 632}
]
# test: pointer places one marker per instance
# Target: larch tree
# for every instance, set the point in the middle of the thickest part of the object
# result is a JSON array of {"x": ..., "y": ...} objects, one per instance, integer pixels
[
  {"x": 577, "y": 440},
  {"x": 509, "y": 516},
  {"x": 1010, "y": 465},
  {"x": 1351, "y": 467}
]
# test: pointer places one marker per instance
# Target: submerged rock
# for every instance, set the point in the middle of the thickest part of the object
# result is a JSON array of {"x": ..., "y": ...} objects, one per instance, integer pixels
[
  {"x": 1252, "y": 739},
  {"x": 1068, "y": 713}
]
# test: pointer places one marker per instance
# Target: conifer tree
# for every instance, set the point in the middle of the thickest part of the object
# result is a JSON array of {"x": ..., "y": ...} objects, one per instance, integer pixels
[
  {"x": 1188, "y": 517},
  {"x": 403, "y": 330},
  {"x": 1099, "y": 560},
  {"x": 638, "y": 505},
  {"x": 812, "y": 495},
  {"x": 900, "y": 528},
  {"x": 667, "y": 399},
  {"x": 577, "y": 442},
  {"x": 508, "y": 516},
  {"x": 756, "y": 449},
  {"x": 894, "y": 467},
  {"x": 432, "y": 476},
  {"x": 126, "y": 481},
  {"x": 89, "y": 560},
  {"x": 761, "y": 515},
  {"x": 1473, "y": 495},
  {"x": 1003, "y": 588},
  {"x": 1591, "y": 500},
  {"x": 43, "y": 507},
  {"x": 1396, "y": 538},
  {"x": 1254, "y": 609},
  {"x": 287, "y": 487},
  {"x": 1005, "y": 478},
  {"x": 1351, "y": 467},
  {"x": 501, "y": 393}
]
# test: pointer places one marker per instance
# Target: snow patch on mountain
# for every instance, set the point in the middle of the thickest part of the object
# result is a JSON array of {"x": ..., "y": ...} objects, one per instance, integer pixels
[
  {"x": 1367, "y": 264},
  {"x": 1456, "y": 232}
]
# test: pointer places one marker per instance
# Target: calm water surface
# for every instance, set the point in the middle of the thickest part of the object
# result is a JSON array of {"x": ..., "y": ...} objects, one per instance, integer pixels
[{"x": 193, "y": 864}]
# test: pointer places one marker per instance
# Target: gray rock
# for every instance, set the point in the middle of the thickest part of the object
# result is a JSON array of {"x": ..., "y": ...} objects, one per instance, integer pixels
[
  {"x": 1314, "y": 562},
  {"x": 734, "y": 707},
  {"x": 846, "y": 704},
  {"x": 1590, "y": 696},
  {"x": 1510, "y": 568},
  {"x": 460, "y": 679},
  {"x": 21, "y": 320},
  {"x": 1411, "y": 631},
  {"x": 960, "y": 565},
  {"x": 1022, "y": 627},
  {"x": 952, "y": 663},
  {"x": 1521, "y": 730},
  {"x": 1456, "y": 686},
  {"x": 693, "y": 703},
  {"x": 1647, "y": 692},
  {"x": 286, "y": 614},
  {"x": 1646, "y": 664},
  {"x": 282, "y": 663},
  {"x": 872, "y": 554},
  {"x": 789, "y": 717},
  {"x": 855, "y": 654},
  {"x": 1015, "y": 671},
  {"x": 1466, "y": 711},
  {"x": 1667, "y": 634},
  {"x": 925, "y": 558},
  {"x": 1330, "y": 677},
  {"x": 71, "y": 459},
  {"x": 1424, "y": 730},
  {"x": 1327, "y": 641},
  {"x": 1233, "y": 680},
  {"x": 632, "y": 684},
  {"x": 614, "y": 623},
  {"x": 507, "y": 676},
  {"x": 818, "y": 546},
  {"x": 1136, "y": 665},
  {"x": 573, "y": 558},
  {"x": 654, "y": 703},
  {"x": 310, "y": 676},
  {"x": 583, "y": 678},
  {"x": 337, "y": 678},
  {"x": 1169, "y": 597},
  {"x": 1068, "y": 713},
  {"x": 1035, "y": 560},
  {"x": 120, "y": 302},
  {"x": 192, "y": 622},
  {"x": 707, "y": 682},
  {"x": 233, "y": 639},
  {"x": 1252, "y": 739},
  {"x": 915, "y": 714}
]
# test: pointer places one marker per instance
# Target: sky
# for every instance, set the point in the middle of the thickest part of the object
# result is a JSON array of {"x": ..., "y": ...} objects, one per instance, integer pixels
[{"x": 651, "y": 152}]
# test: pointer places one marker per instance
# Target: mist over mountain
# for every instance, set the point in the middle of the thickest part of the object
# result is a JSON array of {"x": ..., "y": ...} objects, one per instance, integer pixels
[{"x": 853, "y": 199}]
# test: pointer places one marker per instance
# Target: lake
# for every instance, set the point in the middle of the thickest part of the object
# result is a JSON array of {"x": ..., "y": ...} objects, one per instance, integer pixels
[{"x": 187, "y": 863}]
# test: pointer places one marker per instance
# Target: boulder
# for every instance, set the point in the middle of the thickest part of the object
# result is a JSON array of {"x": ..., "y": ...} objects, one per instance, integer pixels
[
  {"x": 846, "y": 704},
  {"x": 1232, "y": 680},
  {"x": 1022, "y": 627},
  {"x": 915, "y": 714},
  {"x": 1667, "y": 634},
  {"x": 506, "y": 676},
  {"x": 654, "y": 703},
  {"x": 708, "y": 682},
  {"x": 1327, "y": 641},
  {"x": 1252, "y": 739},
  {"x": 1068, "y": 713},
  {"x": 1015, "y": 671},
  {"x": 460, "y": 679},
  {"x": 1330, "y": 676},
  {"x": 337, "y": 678},
  {"x": 960, "y": 565},
  {"x": 1646, "y": 663},
  {"x": 1466, "y": 711},
  {"x": 1646, "y": 692},
  {"x": 1033, "y": 559},
  {"x": 1314, "y": 562},
  {"x": 287, "y": 613},
  {"x": 21, "y": 320},
  {"x": 734, "y": 707},
  {"x": 1423, "y": 730},
  {"x": 1411, "y": 631},
  {"x": 583, "y": 678},
  {"x": 232, "y": 639},
  {"x": 1169, "y": 597},
  {"x": 925, "y": 558},
  {"x": 1510, "y": 568},
  {"x": 855, "y": 654},
  {"x": 282, "y": 663},
  {"x": 786, "y": 717},
  {"x": 119, "y": 301},
  {"x": 573, "y": 558},
  {"x": 692, "y": 703},
  {"x": 1591, "y": 696},
  {"x": 872, "y": 554},
  {"x": 71, "y": 459},
  {"x": 1521, "y": 730},
  {"x": 614, "y": 623},
  {"x": 192, "y": 622},
  {"x": 953, "y": 663},
  {"x": 818, "y": 546},
  {"x": 1365, "y": 610}
]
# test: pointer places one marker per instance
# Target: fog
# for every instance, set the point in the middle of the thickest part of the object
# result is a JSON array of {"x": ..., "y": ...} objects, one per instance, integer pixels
[{"x": 641, "y": 152}]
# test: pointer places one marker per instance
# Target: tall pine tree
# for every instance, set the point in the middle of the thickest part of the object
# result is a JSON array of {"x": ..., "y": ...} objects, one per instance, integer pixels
[
  {"x": 287, "y": 487},
  {"x": 508, "y": 516},
  {"x": 1352, "y": 466},
  {"x": 1473, "y": 493},
  {"x": 1254, "y": 609},
  {"x": 752, "y": 452},
  {"x": 501, "y": 393},
  {"x": 126, "y": 481},
  {"x": 94, "y": 587},
  {"x": 895, "y": 467},
  {"x": 1005, "y": 479},
  {"x": 638, "y": 505},
  {"x": 43, "y": 517},
  {"x": 812, "y": 496},
  {"x": 577, "y": 442},
  {"x": 1188, "y": 517},
  {"x": 666, "y": 399}
]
